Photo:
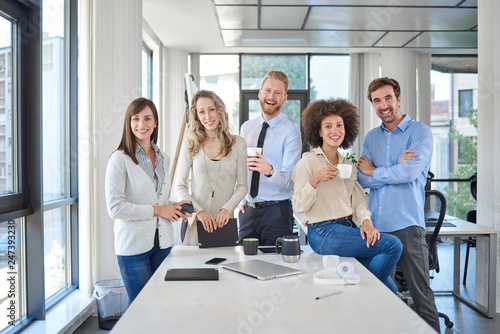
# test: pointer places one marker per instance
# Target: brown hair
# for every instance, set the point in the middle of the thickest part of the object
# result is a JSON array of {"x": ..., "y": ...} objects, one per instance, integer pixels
[
  {"x": 317, "y": 110},
  {"x": 196, "y": 131},
  {"x": 128, "y": 141},
  {"x": 277, "y": 75},
  {"x": 380, "y": 82}
]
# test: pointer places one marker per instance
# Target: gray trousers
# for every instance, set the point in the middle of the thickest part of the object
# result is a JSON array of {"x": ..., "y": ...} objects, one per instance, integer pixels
[{"x": 414, "y": 263}]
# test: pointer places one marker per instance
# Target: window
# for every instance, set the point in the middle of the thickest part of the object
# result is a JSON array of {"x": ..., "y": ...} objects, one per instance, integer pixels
[
  {"x": 220, "y": 74},
  {"x": 464, "y": 102},
  {"x": 8, "y": 183},
  {"x": 58, "y": 166},
  {"x": 37, "y": 152},
  {"x": 147, "y": 72},
  {"x": 254, "y": 67},
  {"x": 454, "y": 128},
  {"x": 329, "y": 76}
]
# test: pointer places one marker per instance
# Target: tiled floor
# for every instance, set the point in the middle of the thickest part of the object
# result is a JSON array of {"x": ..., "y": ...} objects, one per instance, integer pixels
[{"x": 465, "y": 319}]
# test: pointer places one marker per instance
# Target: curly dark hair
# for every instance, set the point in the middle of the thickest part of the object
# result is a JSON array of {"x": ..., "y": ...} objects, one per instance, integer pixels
[{"x": 317, "y": 110}]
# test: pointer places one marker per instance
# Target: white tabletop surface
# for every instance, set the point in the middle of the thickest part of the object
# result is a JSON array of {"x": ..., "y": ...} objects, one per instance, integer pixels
[
  {"x": 462, "y": 227},
  {"x": 241, "y": 304}
]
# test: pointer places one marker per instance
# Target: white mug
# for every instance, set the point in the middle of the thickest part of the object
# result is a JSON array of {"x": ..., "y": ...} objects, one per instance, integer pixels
[
  {"x": 251, "y": 151},
  {"x": 344, "y": 171},
  {"x": 330, "y": 261}
]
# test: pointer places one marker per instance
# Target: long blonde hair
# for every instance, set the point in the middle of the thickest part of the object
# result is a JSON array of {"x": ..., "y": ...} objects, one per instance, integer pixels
[{"x": 196, "y": 131}]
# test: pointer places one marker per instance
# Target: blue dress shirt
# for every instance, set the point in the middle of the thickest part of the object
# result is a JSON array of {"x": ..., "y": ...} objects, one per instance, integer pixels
[
  {"x": 282, "y": 149},
  {"x": 147, "y": 166},
  {"x": 397, "y": 191}
]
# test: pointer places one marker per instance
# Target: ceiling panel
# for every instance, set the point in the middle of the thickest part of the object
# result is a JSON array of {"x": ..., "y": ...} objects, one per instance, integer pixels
[
  {"x": 237, "y": 17},
  {"x": 282, "y": 17},
  {"x": 207, "y": 25},
  {"x": 275, "y": 38},
  {"x": 375, "y": 18},
  {"x": 454, "y": 39},
  {"x": 236, "y": 2},
  {"x": 359, "y": 2},
  {"x": 396, "y": 39}
]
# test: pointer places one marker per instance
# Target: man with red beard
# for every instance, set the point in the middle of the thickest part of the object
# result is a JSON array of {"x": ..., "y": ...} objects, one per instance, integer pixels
[
  {"x": 266, "y": 212},
  {"x": 394, "y": 164}
]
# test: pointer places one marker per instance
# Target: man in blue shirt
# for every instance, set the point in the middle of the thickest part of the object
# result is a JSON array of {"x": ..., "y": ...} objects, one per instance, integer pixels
[
  {"x": 394, "y": 164},
  {"x": 266, "y": 212}
]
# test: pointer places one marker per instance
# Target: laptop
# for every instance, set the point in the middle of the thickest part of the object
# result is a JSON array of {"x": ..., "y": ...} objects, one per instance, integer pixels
[
  {"x": 221, "y": 237},
  {"x": 192, "y": 274},
  {"x": 261, "y": 270}
]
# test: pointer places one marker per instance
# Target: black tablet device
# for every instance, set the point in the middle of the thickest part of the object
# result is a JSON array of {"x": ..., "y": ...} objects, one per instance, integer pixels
[{"x": 192, "y": 274}]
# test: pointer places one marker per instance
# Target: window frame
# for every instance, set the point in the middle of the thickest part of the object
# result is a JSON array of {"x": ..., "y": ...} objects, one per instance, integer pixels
[{"x": 28, "y": 202}]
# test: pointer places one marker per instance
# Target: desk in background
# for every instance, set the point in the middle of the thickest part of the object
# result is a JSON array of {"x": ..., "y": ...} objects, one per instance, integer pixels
[
  {"x": 465, "y": 229},
  {"x": 241, "y": 304}
]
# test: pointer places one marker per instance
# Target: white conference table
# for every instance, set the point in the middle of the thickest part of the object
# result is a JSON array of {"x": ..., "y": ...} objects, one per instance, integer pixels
[
  {"x": 241, "y": 304},
  {"x": 463, "y": 229}
]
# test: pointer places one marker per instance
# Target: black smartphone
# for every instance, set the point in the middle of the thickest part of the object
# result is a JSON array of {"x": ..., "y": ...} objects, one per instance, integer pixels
[
  {"x": 267, "y": 250},
  {"x": 216, "y": 260},
  {"x": 187, "y": 208}
]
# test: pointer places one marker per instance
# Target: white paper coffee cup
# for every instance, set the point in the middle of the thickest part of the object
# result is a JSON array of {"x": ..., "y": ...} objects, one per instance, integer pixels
[
  {"x": 330, "y": 261},
  {"x": 251, "y": 151},
  {"x": 344, "y": 171}
]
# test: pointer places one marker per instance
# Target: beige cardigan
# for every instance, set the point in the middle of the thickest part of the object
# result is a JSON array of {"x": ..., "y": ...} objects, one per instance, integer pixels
[{"x": 227, "y": 178}]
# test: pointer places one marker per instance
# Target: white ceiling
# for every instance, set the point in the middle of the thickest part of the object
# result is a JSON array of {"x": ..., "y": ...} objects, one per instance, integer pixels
[{"x": 314, "y": 26}]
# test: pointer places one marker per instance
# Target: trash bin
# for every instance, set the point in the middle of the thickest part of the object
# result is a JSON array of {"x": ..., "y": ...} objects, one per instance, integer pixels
[{"x": 112, "y": 301}]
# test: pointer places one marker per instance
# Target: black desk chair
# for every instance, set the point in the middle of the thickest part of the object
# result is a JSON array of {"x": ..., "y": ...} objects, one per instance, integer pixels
[
  {"x": 471, "y": 217},
  {"x": 434, "y": 202}
]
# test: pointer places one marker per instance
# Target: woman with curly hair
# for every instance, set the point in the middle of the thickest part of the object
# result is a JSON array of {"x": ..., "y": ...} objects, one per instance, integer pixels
[
  {"x": 336, "y": 210},
  {"x": 218, "y": 159}
]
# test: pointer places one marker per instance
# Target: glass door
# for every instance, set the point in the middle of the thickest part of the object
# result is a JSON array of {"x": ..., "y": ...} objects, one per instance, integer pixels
[{"x": 292, "y": 109}]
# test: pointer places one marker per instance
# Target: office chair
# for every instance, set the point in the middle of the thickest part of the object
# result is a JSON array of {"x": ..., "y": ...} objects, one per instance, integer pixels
[
  {"x": 471, "y": 217},
  {"x": 436, "y": 202}
]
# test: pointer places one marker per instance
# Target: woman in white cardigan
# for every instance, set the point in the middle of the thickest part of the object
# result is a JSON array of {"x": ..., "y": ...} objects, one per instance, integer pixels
[
  {"x": 137, "y": 188},
  {"x": 218, "y": 159}
]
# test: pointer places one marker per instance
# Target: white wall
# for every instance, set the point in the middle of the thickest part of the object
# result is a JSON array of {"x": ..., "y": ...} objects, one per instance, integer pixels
[{"x": 488, "y": 155}]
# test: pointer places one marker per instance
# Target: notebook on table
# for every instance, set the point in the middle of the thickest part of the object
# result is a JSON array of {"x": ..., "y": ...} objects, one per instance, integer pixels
[
  {"x": 192, "y": 274},
  {"x": 261, "y": 270},
  {"x": 221, "y": 237}
]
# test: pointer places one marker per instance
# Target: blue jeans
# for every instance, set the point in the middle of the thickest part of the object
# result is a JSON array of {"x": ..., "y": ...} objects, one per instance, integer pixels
[
  {"x": 341, "y": 237},
  {"x": 137, "y": 269}
]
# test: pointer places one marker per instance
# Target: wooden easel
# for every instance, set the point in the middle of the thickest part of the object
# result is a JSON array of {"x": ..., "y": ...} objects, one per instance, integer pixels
[{"x": 183, "y": 127}]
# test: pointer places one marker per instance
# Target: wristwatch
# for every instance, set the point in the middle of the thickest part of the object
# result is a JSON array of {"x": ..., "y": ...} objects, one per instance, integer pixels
[{"x": 271, "y": 172}]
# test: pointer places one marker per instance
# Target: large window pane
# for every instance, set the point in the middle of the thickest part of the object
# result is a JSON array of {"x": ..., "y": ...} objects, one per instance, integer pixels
[
  {"x": 330, "y": 76},
  {"x": 55, "y": 103},
  {"x": 255, "y": 67},
  {"x": 12, "y": 296},
  {"x": 8, "y": 163},
  {"x": 147, "y": 72},
  {"x": 220, "y": 73},
  {"x": 56, "y": 250},
  {"x": 56, "y": 146},
  {"x": 454, "y": 127}
]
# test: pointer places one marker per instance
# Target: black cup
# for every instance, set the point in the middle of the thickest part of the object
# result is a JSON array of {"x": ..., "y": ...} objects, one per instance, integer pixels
[
  {"x": 250, "y": 246},
  {"x": 289, "y": 248}
]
